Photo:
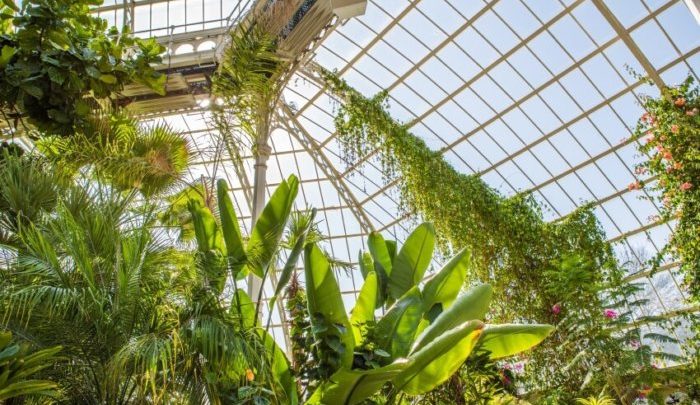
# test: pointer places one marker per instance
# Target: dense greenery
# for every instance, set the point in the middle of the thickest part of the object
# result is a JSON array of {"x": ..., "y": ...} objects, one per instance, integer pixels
[
  {"x": 669, "y": 133},
  {"x": 537, "y": 268},
  {"x": 58, "y": 62},
  {"x": 18, "y": 367},
  {"x": 426, "y": 333}
]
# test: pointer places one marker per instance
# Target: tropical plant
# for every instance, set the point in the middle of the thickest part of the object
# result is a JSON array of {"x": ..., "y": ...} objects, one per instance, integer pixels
[
  {"x": 122, "y": 152},
  {"x": 18, "y": 366},
  {"x": 599, "y": 400},
  {"x": 58, "y": 62},
  {"x": 139, "y": 320},
  {"x": 223, "y": 252},
  {"x": 426, "y": 333}
]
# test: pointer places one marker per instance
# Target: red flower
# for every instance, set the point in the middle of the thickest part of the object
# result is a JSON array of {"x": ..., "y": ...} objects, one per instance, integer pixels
[
  {"x": 668, "y": 155},
  {"x": 686, "y": 186},
  {"x": 677, "y": 165},
  {"x": 680, "y": 102},
  {"x": 610, "y": 313},
  {"x": 674, "y": 128}
]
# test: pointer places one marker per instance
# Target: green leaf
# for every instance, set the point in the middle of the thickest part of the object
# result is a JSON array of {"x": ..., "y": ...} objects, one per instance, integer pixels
[
  {"x": 366, "y": 263},
  {"x": 244, "y": 308},
  {"x": 33, "y": 90},
  {"x": 268, "y": 229},
  {"x": 280, "y": 368},
  {"x": 109, "y": 79},
  {"x": 6, "y": 55},
  {"x": 323, "y": 297},
  {"x": 348, "y": 387},
  {"x": 230, "y": 229},
  {"x": 363, "y": 312},
  {"x": 396, "y": 330},
  {"x": 507, "y": 340},
  {"x": 412, "y": 261},
  {"x": 446, "y": 284},
  {"x": 437, "y": 361},
  {"x": 380, "y": 253},
  {"x": 11, "y": 4},
  {"x": 292, "y": 260},
  {"x": 205, "y": 228},
  {"x": 469, "y": 306}
]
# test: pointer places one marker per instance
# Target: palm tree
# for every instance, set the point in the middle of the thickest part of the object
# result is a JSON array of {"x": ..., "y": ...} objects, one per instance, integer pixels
[{"x": 136, "y": 317}]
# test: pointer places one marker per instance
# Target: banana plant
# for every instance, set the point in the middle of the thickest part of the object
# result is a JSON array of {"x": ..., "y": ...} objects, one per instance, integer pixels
[
  {"x": 224, "y": 253},
  {"x": 427, "y": 331},
  {"x": 17, "y": 366}
]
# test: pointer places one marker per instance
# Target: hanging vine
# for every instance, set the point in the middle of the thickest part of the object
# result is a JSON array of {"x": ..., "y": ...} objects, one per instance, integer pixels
[
  {"x": 509, "y": 240},
  {"x": 669, "y": 132}
]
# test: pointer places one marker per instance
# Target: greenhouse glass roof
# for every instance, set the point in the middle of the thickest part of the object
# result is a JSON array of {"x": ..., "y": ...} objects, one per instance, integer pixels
[{"x": 535, "y": 96}]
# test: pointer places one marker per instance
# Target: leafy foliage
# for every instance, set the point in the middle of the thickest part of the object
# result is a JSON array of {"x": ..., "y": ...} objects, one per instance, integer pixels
[
  {"x": 59, "y": 61},
  {"x": 669, "y": 133},
  {"x": 413, "y": 346},
  {"x": 122, "y": 153},
  {"x": 17, "y": 367}
]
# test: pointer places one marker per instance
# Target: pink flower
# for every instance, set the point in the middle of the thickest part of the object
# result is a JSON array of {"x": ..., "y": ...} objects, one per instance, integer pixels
[
  {"x": 649, "y": 138},
  {"x": 686, "y": 186},
  {"x": 634, "y": 186},
  {"x": 666, "y": 201},
  {"x": 635, "y": 344},
  {"x": 610, "y": 313},
  {"x": 640, "y": 170},
  {"x": 691, "y": 113},
  {"x": 660, "y": 148},
  {"x": 556, "y": 309},
  {"x": 518, "y": 367},
  {"x": 674, "y": 128},
  {"x": 677, "y": 165},
  {"x": 669, "y": 169},
  {"x": 668, "y": 155}
]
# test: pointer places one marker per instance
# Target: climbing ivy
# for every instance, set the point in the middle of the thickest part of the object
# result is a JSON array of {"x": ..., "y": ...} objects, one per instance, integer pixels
[{"x": 669, "y": 132}]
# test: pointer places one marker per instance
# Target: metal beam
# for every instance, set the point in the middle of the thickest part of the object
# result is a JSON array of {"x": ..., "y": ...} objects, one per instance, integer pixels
[
  {"x": 631, "y": 45},
  {"x": 311, "y": 146}
]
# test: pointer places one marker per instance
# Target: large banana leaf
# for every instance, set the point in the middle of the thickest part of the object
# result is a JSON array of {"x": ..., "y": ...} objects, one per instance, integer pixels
[
  {"x": 269, "y": 227},
  {"x": 380, "y": 252},
  {"x": 412, "y": 261},
  {"x": 363, "y": 312},
  {"x": 438, "y": 360},
  {"x": 366, "y": 263},
  {"x": 206, "y": 230},
  {"x": 471, "y": 305},
  {"x": 507, "y": 340},
  {"x": 244, "y": 308},
  {"x": 444, "y": 287},
  {"x": 324, "y": 299},
  {"x": 280, "y": 368},
  {"x": 348, "y": 387},
  {"x": 396, "y": 330},
  {"x": 210, "y": 245},
  {"x": 230, "y": 229},
  {"x": 292, "y": 260}
]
